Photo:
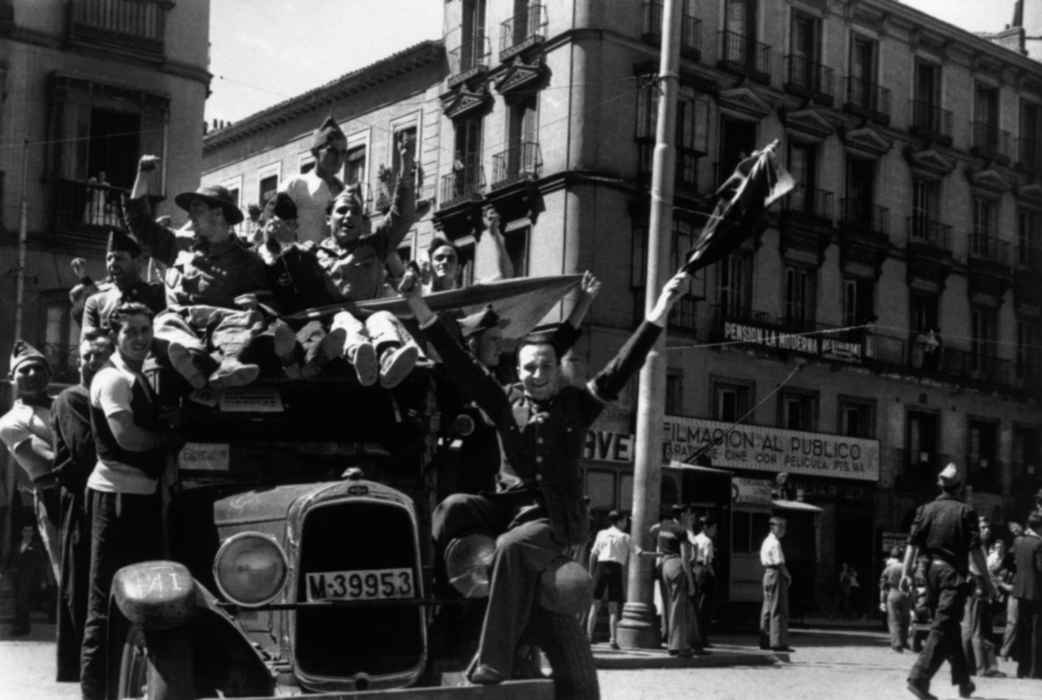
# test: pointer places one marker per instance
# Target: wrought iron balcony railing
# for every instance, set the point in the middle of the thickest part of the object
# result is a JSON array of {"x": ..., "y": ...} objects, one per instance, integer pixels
[
  {"x": 682, "y": 317},
  {"x": 468, "y": 57},
  {"x": 466, "y": 183},
  {"x": 859, "y": 215},
  {"x": 931, "y": 121},
  {"x": 804, "y": 75},
  {"x": 690, "y": 29},
  {"x": 522, "y": 162},
  {"x": 87, "y": 208},
  {"x": 523, "y": 29},
  {"x": 740, "y": 54},
  {"x": 983, "y": 247},
  {"x": 867, "y": 97},
  {"x": 1029, "y": 152},
  {"x": 810, "y": 201},
  {"x": 930, "y": 233},
  {"x": 137, "y": 24},
  {"x": 990, "y": 139},
  {"x": 1029, "y": 258}
]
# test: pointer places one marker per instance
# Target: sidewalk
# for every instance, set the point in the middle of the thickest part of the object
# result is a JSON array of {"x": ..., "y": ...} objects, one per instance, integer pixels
[{"x": 721, "y": 654}]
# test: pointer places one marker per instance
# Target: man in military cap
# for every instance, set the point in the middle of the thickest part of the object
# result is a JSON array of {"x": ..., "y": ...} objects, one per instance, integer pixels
[
  {"x": 204, "y": 331},
  {"x": 26, "y": 431},
  {"x": 946, "y": 533},
  {"x": 123, "y": 259},
  {"x": 313, "y": 191}
]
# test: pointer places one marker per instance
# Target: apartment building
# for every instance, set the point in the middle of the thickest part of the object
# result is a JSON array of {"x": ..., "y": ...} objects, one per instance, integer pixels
[{"x": 916, "y": 150}]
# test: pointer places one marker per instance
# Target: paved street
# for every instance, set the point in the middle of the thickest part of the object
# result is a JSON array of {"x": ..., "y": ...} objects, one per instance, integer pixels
[{"x": 828, "y": 663}]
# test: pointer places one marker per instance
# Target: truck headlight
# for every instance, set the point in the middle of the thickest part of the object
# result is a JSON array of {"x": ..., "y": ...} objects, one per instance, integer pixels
[
  {"x": 250, "y": 569},
  {"x": 468, "y": 563}
]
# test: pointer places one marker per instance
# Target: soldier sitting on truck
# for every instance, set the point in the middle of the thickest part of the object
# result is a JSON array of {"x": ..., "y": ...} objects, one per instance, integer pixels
[
  {"x": 538, "y": 509},
  {"x": 211, "y": 323}
]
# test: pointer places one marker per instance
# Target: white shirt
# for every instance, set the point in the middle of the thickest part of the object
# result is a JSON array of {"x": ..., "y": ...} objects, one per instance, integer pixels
[
  {"x": 24, "y": 422},
  {"x": 111, "y": 391},
  {"x": 771, "y": 551},
  {"x": 311, "y": 194},
  {"x": 613, "y": 545},
  {"x": 703, "y": 545}
]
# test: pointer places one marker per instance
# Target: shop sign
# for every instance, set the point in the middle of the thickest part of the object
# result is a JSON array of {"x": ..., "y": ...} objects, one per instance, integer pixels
[
  {"x": 751, "y": 493},
  {"x": 819, "y": 346},
  {"x": 771, "y": 449},
  {"x": 891, "y": 540},
  {"x": 608, "y": 446}
]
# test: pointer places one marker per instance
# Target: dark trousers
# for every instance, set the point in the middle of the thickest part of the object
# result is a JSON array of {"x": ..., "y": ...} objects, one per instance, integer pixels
[
  {"x": 774, "y": 615},
  {"x": 74, "y": 536},
  {"x": 523, "y": 551},
  {"x": 946, "y": 597},
  {"x": 24, "y": 583},
  {"x": 705, "y": 587},
  {"x": 124, "y": 530},
  {"x": 1029, "y": 638}
]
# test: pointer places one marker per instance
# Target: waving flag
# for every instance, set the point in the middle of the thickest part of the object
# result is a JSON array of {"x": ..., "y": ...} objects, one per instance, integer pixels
[{"x": 741, "y": 205}]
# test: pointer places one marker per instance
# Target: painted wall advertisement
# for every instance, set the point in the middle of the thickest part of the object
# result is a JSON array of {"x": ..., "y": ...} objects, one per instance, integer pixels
[{"x": 751, "y": 447}]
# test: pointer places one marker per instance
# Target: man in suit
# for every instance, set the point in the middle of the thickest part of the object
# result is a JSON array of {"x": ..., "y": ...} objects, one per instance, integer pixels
[{"x": 1027, "y": 589}]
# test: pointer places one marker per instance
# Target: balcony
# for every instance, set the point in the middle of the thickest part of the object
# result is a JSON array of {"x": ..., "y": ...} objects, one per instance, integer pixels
[
  {"x": 1029, "y": 153},
  {"x": 990, "y": 142},
  {"x": 1027, "y": 277},
  {"x": 867, "y": 100},
  {"x": 989, "y": 249},
  {"x": 523, "y": 30},
  {"x": 690, "y": 30},
  {"x": 85, "y": 211},
  {"x": 468, "y": 60},
  {"x": 910, "y": 356},
  {"x": 64, "y": 361},
  {"x": 1029, "y": 259},
  {"x": 518, "y": 164},
  {"x": 808, "y": 79},
  {"x": 463, "y": 184},
  {"x": 931, "y": 122},
  {"x": 808, "y": 201},
  {"x": 135, "y": 26},
  {"x": 862, "y": 217},
  {"x": 745, "y": 57},
  {"x": 929, "y": 234}
]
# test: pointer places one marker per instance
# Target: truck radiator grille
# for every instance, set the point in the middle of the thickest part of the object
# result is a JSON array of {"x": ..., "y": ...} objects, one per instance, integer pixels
[{"x": 379, "y": 641}]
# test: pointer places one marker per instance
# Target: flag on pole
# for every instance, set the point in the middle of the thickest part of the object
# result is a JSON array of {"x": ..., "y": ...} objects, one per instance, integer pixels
[{"x": 741, "y": 205}]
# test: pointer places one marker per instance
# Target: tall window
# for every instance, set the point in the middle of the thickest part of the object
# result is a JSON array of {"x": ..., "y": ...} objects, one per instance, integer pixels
[
  {"x": 922, "y": 444},
  {"x": 1028, "y": 351},
  {"x": 923, "y": 313},
  {"x": 797, "y": 411},
  {"x": 466, "y": 166},
  {"x": 354, "y": 165},
  {"x": 268, "y": 187},
  {"x": 800, "y": 294},
  {"x": 1029, "y": 151},
  {"x": 675, "y": 393},
  {"x": 805, "y": 50},
  {"x": 924, "y": 209},
  {"x": 61, "y": 334},
  {"x": 737, "y": 142},
  {"x": 803, "y": 165},
  {"x": 472, "y": 34},
  {"x": 1029, "y": 239},
  {"x": 983, "y": 217},
  {"x": 517, "y": 249},
  {"x": 741, "y": 17},
  {"x": 863, "y": 51},
  {"x": 983, "y": 452},
  {"x": 858, "y": 301},
  {"x": 986, "y": 105},
  {"x": 522, "y": 138},
  {"x": 856, "y": 418},
  {"x": 734, "y": 283},
  {"x": 983, "y": 331},
  {"x": 731, "y": 401},
  {"x": 1027, "y": 452},
  {"x": 860, "y": 186},
  {"x": 927, "y": 84}
]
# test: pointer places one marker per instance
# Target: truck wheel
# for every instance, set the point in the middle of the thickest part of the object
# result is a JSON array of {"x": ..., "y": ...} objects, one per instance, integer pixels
[
  {"x": 162, "y": 671},
  {"x": 568, "y": 651}
]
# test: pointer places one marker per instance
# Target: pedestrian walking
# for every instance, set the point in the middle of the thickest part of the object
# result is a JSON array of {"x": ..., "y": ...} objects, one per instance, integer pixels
[
  {"x": 946, "y": 533},
  {"x": 1009, "y": 636},
  {"x": 705, "y": 576},
  {"x": 608, "y": 561},
  {"x": 678, "y": 580},
  {"x": 1027, "y": 588},
  {"x": 894, "y": 602},
  {"x": 774, "y": 615}
]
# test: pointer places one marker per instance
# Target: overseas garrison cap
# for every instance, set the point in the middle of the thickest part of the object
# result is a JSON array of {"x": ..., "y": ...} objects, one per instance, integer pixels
[
  {"x": 353, "y": 194},
  {"x": 482, "y": 321},
  {"x": 123, "y": 242},
  {"x": 328, "y": 133},
  {"x": 23, "y": 352},
  {"x": 949, "y": 476}
]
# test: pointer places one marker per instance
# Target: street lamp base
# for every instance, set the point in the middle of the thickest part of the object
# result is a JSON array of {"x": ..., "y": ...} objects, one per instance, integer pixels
[{"x": 638, "y": 628}]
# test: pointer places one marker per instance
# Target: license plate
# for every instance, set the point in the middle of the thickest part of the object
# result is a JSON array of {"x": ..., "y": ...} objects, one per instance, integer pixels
[{"x": 371, "y": 584}]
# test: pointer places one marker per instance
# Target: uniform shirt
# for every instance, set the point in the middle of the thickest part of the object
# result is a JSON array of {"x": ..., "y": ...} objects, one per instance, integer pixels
[
  {"x": 212, "y": 274},
  {"x": 74, "y": 452},
  {"x": 946, "y": 529},
  {"x": 703, "y": 549},
  {"x": 24, "y": 422},
  {"x": 891, "y": 578},
  {"x": 614, "y": 545},
  {"x": 116, "y": 388},
  {"x": 543, "y": 440},
  {"x": 100, "y": 306},
  {"x": 771, "y": 551},
  {"x": 312, "y": 195},
  {"x": 357, "y": 268}
]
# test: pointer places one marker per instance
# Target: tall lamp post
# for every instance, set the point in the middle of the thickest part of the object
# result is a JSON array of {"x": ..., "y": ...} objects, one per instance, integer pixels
[{"x": 637, "y": 629}]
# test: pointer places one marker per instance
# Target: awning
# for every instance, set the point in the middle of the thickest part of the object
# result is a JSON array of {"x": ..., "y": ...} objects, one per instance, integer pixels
[{"x": 798, "y": 506}]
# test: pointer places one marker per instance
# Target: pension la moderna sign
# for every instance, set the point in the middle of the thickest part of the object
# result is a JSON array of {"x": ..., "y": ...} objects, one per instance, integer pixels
[
  {"x": 824, "y": 346},
  {"x": 771, "y": 449}
]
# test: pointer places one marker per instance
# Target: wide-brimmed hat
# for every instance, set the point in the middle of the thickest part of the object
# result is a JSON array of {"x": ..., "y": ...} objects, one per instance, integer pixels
[{"x": 213, "y": 196}]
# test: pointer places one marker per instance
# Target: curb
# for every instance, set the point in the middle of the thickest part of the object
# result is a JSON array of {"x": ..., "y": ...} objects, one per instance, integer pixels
[{"x": 609, "y": 659}]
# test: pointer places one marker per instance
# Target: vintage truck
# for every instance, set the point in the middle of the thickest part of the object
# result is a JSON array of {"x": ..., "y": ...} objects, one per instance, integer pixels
[{"x": 298, "y": 557}]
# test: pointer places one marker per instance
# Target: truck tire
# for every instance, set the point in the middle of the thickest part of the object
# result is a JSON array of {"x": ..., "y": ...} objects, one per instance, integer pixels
[
  {"x": 568, "y": 651},
  {"x": 163, "y": 672}
]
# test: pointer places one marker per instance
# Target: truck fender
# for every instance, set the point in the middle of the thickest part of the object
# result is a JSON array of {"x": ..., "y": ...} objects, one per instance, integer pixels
[{"x": 155, "y": 595}]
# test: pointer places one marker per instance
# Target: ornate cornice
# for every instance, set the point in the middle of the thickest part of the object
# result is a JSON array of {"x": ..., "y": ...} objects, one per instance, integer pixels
[
  {"x": 929, "y": 161},
  {"x": 463, "y": 101},
  {"x": 990, "y": 179},
  {"x": 866, "y": 141},
  {"x": 519, "y": 75},
  {"x": 743, "y": 102},
  {"x": 807, "y": 122}
]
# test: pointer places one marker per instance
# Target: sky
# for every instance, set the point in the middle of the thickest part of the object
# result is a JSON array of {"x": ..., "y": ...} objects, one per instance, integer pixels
[{"x": 265, "y": 51}]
